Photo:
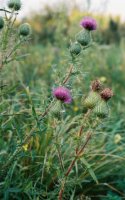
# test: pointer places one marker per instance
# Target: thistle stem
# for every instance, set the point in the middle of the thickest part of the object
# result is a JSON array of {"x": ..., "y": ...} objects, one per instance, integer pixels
[
  {"x": 68, "y": 76},
  {"x": 4, "y": 10},
  {"x": 72, "y": 165},
  {"x": 60, "y": 157}
]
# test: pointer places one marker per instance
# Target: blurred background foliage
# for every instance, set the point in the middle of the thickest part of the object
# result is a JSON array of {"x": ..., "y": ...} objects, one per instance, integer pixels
[
  {"x": 48, "y": 54},
  {"x": 52, "y": 34}
]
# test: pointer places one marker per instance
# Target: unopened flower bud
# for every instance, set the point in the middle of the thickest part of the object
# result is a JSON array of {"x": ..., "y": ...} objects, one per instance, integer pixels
[
  {"x": 101, "y": 109},
  {"x": 96, "y": 85},
  {"x": 25, "y": 29},
  {"x": 1, "y": 22},
  {"x": 106, "y": 94},
  {"x": 14, "y": 4},
  {"x": 91, "y": 101},
  {"x": 84, "y": 37},
  {"x": 75, "y": 48}
]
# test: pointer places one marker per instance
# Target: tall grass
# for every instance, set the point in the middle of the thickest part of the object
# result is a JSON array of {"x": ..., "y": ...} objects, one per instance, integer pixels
[{"x": 37, "y": 148}]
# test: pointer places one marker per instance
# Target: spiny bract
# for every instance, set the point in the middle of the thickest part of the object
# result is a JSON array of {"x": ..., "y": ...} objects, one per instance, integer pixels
[
  {"x": 75, "y": 48},
  {"x": 101, "y": 109},
  {"x": 92, "y": 99},
  {"x": 84, "y": 37},
  {"x": 55, "y": 110}
]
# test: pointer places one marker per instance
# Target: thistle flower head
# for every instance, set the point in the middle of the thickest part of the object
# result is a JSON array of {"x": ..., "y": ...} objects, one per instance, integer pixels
[
  {"x": 89, "y": 23},
  {"x": 96, "y": 85},
  {"x": 63, "y": 94},
  {"x": 106, "y": 94}
]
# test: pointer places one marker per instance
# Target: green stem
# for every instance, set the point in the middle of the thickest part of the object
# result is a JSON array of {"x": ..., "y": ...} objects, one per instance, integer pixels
[
  {"x": 6, "y": 60},
  {"x": 4, "y": 10},
  {"x": 60, "y": 157}
]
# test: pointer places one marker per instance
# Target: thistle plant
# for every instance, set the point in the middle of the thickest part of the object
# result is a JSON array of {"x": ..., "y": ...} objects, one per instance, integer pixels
[
  {"x": 11, "y": 36},
  {"x": 66, "y": 138}
]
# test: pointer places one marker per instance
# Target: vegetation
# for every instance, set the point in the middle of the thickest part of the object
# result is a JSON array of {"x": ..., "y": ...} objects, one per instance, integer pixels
[{"x": 49, "y": 149}]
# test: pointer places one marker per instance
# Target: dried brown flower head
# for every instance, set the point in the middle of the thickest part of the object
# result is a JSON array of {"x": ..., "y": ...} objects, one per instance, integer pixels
[
  {"x": 106, "y": 94},
  {"x": 96, "y": 85}
]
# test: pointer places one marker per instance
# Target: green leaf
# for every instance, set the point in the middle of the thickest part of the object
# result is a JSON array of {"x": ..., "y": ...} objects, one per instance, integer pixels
[
  {"x": 88, "y": 166},
  {"x": 73, "y": 194}
]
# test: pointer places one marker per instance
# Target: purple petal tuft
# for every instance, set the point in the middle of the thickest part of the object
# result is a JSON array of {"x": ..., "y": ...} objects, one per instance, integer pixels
[
  {"x": 89, "y": 23},
  {"x": 63, "y": 94}
]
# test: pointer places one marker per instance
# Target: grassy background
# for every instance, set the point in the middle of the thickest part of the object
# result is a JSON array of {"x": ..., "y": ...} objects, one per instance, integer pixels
[{"x": 35, "y": 172}]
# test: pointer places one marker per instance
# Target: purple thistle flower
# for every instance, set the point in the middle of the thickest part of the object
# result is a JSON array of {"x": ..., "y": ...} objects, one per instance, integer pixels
[
  {"x": 62, "y": 94},
  {"x": 89, "y": 23}
]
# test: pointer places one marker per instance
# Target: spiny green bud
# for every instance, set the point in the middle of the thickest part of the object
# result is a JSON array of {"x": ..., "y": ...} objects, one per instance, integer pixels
[
  {"x": 25, "y": 29},
  {"x": 75, "y": 48},
  {"x": 14, "y": 4},
  {"x": 1, "y": 22},
  {"x": 101, "y": 110},
  {"x": 55, "y": 111},
  {"x": 84, "y": 37},
  {"x": 91, "y": 101}
]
